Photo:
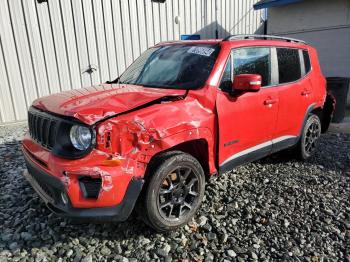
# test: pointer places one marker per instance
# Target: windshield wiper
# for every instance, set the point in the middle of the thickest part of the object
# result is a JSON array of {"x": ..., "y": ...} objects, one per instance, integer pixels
[{"x": 115, "y": 81}]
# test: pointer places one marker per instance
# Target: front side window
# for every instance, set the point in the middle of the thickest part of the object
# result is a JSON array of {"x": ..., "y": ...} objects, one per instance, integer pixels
[
  {"x": 288, "y": 65},
  {"x": 306, "y": 61},
  {"x": 253, "y": 60},
  {"x": 173, "y": 66},
  {"x": 226, "y": 80}
]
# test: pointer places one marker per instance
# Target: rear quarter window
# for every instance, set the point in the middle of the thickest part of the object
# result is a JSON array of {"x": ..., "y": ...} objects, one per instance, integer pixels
[{"x": 288, "y": 65}]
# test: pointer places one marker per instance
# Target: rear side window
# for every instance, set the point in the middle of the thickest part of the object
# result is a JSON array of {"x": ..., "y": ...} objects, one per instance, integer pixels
[
  {"x": 307, "y": 61},
  {"x": 253, "y": 60},
  {"x": 288, "y": 65}
]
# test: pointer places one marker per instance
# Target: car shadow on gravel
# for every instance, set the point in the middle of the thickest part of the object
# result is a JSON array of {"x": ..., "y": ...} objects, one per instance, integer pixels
[{"x": 330, "y": 155}]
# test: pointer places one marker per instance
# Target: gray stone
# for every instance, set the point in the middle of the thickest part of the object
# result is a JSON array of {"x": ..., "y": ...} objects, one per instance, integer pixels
[
  {"x": 26, "y": 236},
  {"x": 120, "y": 258},
  {"x": 13, "y": 245},
  {"x": 202, "y": 220},
  {"x": 87, "y": 258},
  {"x": 105, "y": 251},
  {"x": 211, "y": 236},
  {"x": 163, "y": 252},
  {"x": 231, "y": 253},
  {"x": 69, "y": 253},
  {"x": 254, "y": 256}
]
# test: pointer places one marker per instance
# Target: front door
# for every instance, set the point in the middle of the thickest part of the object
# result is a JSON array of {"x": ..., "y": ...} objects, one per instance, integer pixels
[{"x": 247, "y": 120}]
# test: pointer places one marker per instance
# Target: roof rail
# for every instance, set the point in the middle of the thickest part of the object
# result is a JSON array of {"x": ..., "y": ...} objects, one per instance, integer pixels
[
  {"x": 266, "y": 37},
  {"x": 166, "y": 42}
]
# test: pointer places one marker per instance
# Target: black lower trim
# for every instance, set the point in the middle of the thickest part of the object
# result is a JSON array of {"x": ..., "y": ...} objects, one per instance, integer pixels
[
  {"x": 117, "y": 213},
  {"x": 247, "y": 158},
  {"x": 284, "y": 144},
  {"x": 258, "y": 154},
  {"x": 50, "y": 189}
]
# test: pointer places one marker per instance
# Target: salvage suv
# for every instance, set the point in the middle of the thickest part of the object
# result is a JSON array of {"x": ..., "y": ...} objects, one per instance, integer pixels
[{"x": 182, "y": 112}]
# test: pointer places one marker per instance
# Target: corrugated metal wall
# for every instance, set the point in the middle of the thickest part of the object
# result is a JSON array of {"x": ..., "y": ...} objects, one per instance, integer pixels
[{"x": 59, "y": 45}]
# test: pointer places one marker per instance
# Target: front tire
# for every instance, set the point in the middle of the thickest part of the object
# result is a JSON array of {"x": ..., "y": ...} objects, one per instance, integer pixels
[
  {"x": 174, "y": 191},
  {"x": 309, "y": 137}
]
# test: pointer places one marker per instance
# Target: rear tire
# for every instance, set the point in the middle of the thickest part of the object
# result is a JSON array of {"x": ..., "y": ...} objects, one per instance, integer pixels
[
  {"x": 311, "y": 132},
  {"x": 173, "y": 192}
]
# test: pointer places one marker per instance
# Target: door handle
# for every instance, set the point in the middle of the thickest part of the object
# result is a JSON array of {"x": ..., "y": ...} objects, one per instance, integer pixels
[
  {"x": 270, "y": 102},
  {"x": 305, "y": 92}
]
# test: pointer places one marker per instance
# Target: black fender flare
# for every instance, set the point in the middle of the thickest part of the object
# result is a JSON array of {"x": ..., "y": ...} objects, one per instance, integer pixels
[{"x": 306, "y": 116}]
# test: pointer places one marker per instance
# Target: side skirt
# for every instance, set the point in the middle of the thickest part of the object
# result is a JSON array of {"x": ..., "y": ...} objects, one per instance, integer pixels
[
  {"x": 284, "y": 144},
  {"x": 258, "y": 152},
  {"x": 240, "y": 159}
]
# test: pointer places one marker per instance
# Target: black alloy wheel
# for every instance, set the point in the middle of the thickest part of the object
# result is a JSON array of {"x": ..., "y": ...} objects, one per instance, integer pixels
[
  {"x": 178, "y": 193},
  {"x": 312, "y": 135},
  {"x": 173, "y": 191}
]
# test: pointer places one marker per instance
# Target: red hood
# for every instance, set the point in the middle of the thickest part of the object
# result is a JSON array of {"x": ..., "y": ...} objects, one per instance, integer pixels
[{"x": 95, "y": 103}]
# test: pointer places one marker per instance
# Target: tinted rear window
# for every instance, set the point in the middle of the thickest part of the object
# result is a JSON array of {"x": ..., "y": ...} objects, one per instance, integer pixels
[
  {"x": 307, "y": 61},
  {"x": 288, "y": 65}
]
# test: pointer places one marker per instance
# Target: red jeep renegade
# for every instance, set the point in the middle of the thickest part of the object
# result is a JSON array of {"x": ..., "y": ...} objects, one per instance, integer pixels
[{"x": 183, "y": 111}]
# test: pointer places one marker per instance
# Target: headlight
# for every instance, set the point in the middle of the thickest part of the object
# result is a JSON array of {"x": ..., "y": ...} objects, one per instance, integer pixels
[{"x": 80, "y": 136}]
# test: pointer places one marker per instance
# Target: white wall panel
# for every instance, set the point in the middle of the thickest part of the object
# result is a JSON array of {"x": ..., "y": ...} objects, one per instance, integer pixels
[
  {"x": 94, "y": 68},
  {"x": 36, "y": 48},
  {"x": 100, "y": 41},
  {"x": 60, "y": 45},
  {"x": 80, "y": 36},
  {"x": 176, "y": 12},
  {"x": 48, "y": 47},
  {"x": 187, "y": 17},
  {"x": 149, "y": 23},
  {"x": 163, "y": 23},
  {"x": 11, "y": 64},
  {"x": 156, "y": 22},
  {"x": 120, "y": 41},
  {"x": 23, "y": 51},
  {"x": 110, "y": 43},
  {"x": 134, "y": 25},
  {"x": 70, "y": 43},
  {"x": 125, "y": 15},
  {"x": 142, "y": 25},
  {"x": 182, "y": 29},
  {"x": 7, "y": 111},
  {"x": 198, "y": 14}
]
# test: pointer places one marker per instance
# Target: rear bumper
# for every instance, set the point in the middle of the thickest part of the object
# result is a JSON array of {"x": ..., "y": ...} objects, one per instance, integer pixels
[{"x": 51, "y": 189}]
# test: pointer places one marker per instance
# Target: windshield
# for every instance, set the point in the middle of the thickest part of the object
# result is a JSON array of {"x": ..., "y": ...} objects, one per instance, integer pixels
[{"x": 174, "y": 66}]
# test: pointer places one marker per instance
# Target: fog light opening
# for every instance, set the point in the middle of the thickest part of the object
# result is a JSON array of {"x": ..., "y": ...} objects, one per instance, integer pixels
[{"x": 90, "y": 186}]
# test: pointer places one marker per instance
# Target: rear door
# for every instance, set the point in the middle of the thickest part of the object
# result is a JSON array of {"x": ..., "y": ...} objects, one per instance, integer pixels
[
  {"x": 247, "y": 120},
  {"x": 295, "y": 96}
]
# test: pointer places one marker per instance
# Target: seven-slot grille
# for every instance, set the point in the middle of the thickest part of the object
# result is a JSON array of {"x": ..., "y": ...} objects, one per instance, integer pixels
[{"x": 42, "y": 128}]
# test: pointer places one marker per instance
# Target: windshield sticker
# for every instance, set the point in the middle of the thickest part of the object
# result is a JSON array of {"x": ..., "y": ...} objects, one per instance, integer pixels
[{"x": 199, "y": 50}]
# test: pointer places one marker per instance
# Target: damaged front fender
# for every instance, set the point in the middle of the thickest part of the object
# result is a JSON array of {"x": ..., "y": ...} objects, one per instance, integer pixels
[{"x": 140, "y": 135}]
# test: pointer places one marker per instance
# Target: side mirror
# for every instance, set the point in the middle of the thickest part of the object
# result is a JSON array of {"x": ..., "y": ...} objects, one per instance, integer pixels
[{"x": 247, "y": 83}]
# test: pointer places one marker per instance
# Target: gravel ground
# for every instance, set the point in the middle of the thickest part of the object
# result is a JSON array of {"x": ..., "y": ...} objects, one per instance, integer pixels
[{"x": 273, "y": 209}]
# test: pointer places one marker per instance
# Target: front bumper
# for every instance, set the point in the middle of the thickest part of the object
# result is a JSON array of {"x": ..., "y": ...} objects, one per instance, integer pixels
[{"x": 51, "y": 189}]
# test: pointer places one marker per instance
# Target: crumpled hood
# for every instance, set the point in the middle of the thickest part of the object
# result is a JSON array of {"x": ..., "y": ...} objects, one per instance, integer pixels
[{"x": 95, "y": 103}]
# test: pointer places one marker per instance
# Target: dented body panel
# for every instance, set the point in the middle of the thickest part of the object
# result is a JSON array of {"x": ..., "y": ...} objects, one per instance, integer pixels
[
  {"x": 95, "y": 103},
  {"x": 134, "y": 123}
]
